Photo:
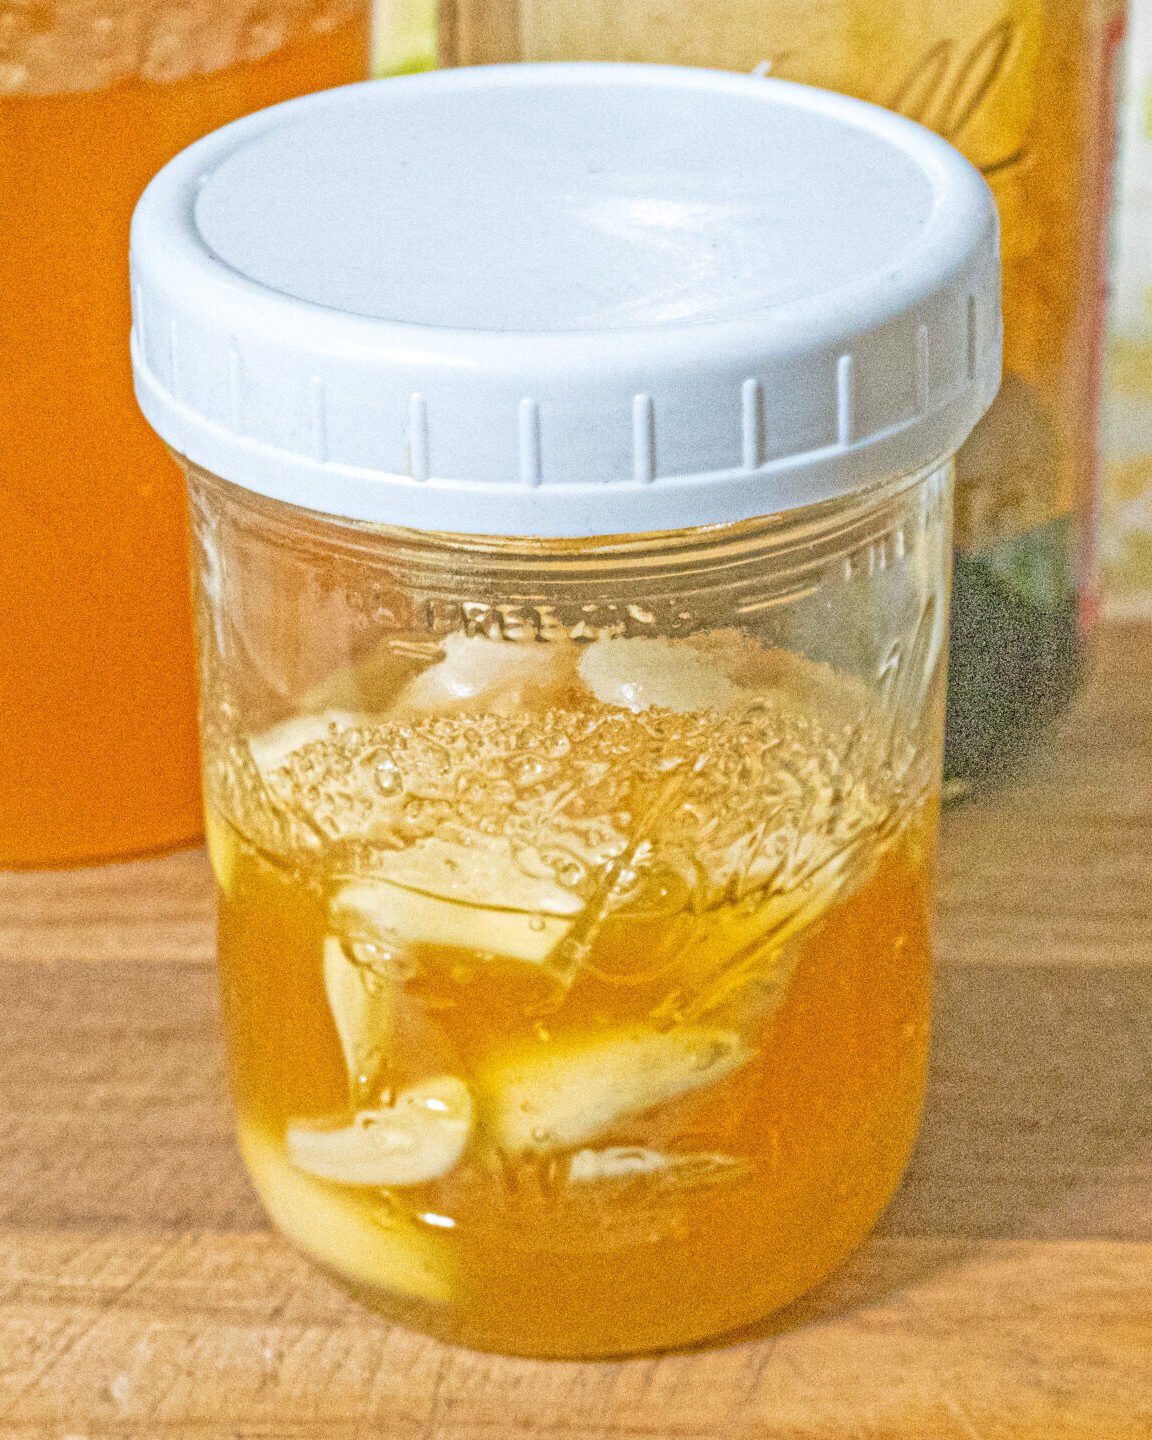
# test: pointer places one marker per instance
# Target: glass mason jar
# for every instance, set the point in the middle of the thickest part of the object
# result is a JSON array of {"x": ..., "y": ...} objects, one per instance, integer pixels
[
  {"x": 97, "y": 693},
  {"x": 573, "y": 823},
  {"x": 575, "y": 901},
  {"x": 1026, "y": 89}
]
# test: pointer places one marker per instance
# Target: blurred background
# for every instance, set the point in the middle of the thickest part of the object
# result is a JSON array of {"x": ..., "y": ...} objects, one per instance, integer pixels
[
  {"x": 1054, "y": 489},
  {"x": 406, "y": 41}
]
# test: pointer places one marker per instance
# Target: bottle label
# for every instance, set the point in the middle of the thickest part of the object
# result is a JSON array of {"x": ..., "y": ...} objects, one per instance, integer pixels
[{"x": 977, "y": 88}]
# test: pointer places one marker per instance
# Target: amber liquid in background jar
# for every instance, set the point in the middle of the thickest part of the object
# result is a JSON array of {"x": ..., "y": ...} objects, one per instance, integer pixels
[
  {"x": 1026, "y": 90},
  {"x": 98, "y": 750},
  {"x": 574, "y": 943}
]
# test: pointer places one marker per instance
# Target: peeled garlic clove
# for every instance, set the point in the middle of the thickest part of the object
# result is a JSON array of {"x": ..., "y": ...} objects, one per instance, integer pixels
[
  {"x": 369, "y": 1245},
  {"x": 497, "y": 677},
  {"x": 361, "y": 1004},
  {"x": 571, "y": 1092},
  {"x": 480, "y": 873},
  {"x": 740, "y": 966},
  {"x": 780, "y": 917},
  {"x": 786, "y": 915},
  {"x": 618, "y": 1162},
  {"x": 645, "y": 672},
  {"x": 392, "y": 914},
  {"x": 274, "y": 746},
  {"x": 369, "y": 684},
  {"x": 625, "y": 1162},
  {"x": 419, "y": 1138}
]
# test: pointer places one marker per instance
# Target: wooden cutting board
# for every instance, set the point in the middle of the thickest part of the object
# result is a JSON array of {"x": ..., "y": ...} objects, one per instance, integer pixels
[{"x": 1008, "y": 1292}]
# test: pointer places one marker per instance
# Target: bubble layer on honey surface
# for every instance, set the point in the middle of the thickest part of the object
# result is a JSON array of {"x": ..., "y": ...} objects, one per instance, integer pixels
[
  {"x": 715, "y": 804},
  {"x": 531, "y": 973}
]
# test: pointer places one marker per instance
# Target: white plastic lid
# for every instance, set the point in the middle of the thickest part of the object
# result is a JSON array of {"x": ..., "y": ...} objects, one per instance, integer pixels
[{"x": 565, "y": 300}]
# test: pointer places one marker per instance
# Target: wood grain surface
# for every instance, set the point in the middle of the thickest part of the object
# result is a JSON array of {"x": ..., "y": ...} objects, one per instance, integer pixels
[{"x": 1006, "y": 1296}]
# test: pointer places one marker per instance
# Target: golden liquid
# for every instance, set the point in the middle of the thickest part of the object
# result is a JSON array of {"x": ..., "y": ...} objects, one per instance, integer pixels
[
  {"x": 97, "y": 695},
  {"x": 769, "y": 1168}
]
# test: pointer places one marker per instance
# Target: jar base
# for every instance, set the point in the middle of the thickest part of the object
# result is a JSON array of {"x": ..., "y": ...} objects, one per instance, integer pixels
[
  {"x": 184, "y": 837},
  {"x": 698, "y": 1325},
  {"x": 430, "y": 1320}
]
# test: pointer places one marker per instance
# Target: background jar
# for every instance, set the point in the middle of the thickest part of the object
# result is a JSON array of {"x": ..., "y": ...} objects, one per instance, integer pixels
[
  {"x": 97, "y": 690},
  {"x": 574, "y": 835}
]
